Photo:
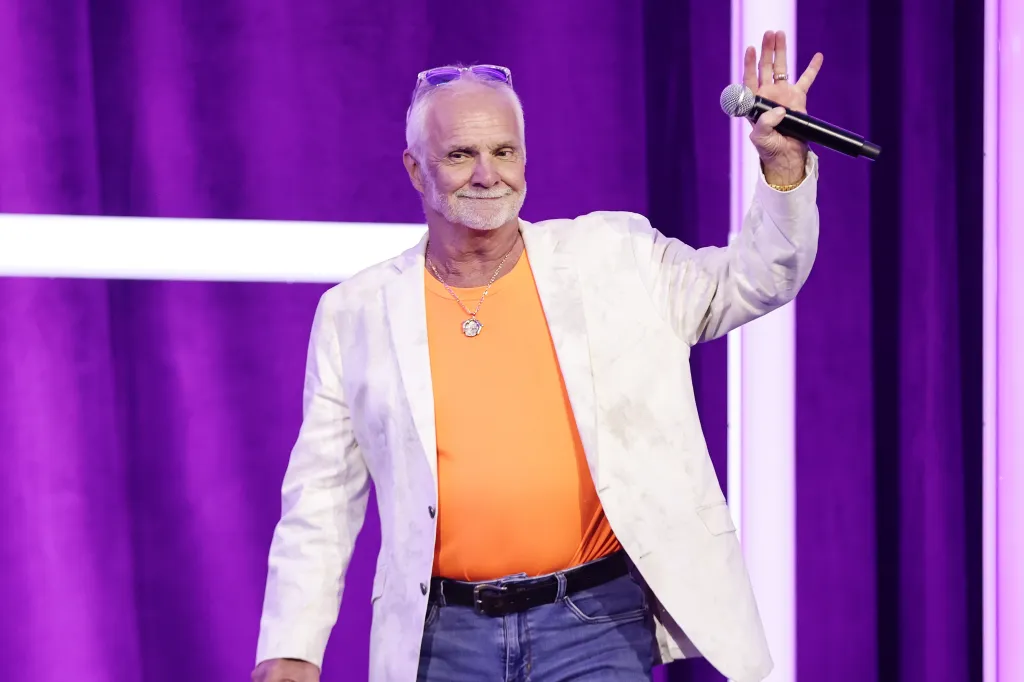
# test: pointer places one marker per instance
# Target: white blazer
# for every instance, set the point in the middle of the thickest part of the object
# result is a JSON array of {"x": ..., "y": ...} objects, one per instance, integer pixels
[{"x": 624, "y": 304}]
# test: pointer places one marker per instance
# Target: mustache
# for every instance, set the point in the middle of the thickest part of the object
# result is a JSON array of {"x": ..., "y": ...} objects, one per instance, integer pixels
[{"x": 485, "y": 194}]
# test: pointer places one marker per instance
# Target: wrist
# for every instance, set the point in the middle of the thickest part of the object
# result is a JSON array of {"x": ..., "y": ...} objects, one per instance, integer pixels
[{"x": 784, "y": 172}]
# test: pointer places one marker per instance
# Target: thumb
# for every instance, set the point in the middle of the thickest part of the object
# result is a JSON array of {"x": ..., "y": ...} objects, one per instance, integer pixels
[{"x": 769, "y": 119}]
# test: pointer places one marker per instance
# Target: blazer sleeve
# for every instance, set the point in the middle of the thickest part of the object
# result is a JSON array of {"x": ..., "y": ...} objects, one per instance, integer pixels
[
  {"x": 707, "y": 292},
  {"x": 324, "y": 497}
]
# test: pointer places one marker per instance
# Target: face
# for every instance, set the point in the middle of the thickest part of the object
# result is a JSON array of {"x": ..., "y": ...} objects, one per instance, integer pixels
[{"x": 472, "y": 167}]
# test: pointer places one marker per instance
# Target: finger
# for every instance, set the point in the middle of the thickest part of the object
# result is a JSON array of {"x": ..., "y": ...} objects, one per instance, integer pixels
[
  {"x": 767, "y": 121},
  {"x": 767, "y": 54},
  {"x": 779, "y": 64},
  {"x": 750, "y": 69},
  {"x": 810, "y": 73}
]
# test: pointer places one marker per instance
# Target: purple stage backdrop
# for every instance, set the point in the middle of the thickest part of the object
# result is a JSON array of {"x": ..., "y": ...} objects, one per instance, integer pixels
[{"x": 145, "y": 426}]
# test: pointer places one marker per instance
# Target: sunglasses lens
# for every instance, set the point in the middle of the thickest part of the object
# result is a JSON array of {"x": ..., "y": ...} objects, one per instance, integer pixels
[
  {"x": 491, "y": 72},
  {"x": 440, "y": 76},
  {"x": 447, "y": 74}
]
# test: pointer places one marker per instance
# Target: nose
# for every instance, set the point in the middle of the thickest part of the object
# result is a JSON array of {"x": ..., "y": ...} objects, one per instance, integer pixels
[{"x": 484, "y": 173}]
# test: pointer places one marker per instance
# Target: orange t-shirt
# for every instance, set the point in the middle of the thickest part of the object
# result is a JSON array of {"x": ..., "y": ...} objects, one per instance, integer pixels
[{"x": 515, "y": 493}]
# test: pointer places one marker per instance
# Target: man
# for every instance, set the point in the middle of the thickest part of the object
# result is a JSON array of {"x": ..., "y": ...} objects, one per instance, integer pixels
[{"x": 520, "y": 396}]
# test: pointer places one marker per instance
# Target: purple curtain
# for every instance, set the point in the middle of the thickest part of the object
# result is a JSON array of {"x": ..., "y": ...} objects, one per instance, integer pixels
[
  {"x": 145, "y": 426},
  {"x": 889, "y": 351}
]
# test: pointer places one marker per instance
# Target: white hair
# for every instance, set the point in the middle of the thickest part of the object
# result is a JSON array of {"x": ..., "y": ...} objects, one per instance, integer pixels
[{"x": 416, "y": 116}]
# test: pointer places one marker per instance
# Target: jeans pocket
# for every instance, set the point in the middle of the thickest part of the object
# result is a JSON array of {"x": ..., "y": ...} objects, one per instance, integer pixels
[
  {"x": 433, "y": 610},
  {"x": 619, "y": 601}
]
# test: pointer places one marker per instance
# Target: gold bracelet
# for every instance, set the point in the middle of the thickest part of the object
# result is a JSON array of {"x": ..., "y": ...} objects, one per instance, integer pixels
[{"x": 785, "y": 188}]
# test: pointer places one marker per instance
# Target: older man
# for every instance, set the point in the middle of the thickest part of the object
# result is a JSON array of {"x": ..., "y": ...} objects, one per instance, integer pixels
[{"x": 520, "y": 396}]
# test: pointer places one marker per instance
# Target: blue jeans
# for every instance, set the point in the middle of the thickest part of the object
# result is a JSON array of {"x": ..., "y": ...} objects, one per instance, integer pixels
[{"x": 604, "y": 633}]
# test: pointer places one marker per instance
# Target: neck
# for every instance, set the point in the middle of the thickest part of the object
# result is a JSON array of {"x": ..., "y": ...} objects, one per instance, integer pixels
[{"x": 468, "y": 258}]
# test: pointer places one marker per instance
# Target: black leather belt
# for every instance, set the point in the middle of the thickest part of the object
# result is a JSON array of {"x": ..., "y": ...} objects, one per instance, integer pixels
[{"x": 498, "y": 600}]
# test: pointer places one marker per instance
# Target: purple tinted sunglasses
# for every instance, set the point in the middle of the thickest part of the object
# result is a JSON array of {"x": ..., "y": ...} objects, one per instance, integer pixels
[{"x": 447, "y": 74}]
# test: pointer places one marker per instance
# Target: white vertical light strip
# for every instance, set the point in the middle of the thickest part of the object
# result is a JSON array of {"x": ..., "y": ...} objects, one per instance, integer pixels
[
  {"x": 1009, "y": 462},
  {"x": 734, "y": 362},
  {"x": 762, "y": 354},
  {"x": 989, "y": 330}
]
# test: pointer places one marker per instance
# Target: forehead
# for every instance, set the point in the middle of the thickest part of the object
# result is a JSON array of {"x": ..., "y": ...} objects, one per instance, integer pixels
[{"x": 471, "y": 114}]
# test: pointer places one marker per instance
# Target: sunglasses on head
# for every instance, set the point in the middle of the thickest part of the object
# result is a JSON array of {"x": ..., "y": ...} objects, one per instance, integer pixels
[{"x": 447, "y": 74}]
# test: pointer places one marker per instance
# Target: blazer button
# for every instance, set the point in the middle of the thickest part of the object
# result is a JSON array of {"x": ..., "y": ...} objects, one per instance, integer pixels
[
  {"x": 433, "y": 512},
  {"x": 423, "y": 588}
]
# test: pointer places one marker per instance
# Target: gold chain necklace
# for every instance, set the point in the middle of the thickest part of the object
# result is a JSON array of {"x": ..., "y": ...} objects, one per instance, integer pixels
[{"x": 472, "y": 326}]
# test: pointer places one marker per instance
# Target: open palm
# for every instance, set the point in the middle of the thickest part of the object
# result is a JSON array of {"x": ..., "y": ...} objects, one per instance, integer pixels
[{"x": 770, "y": 79}]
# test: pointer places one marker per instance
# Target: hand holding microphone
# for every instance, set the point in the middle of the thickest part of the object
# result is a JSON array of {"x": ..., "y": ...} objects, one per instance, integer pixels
[{"x": 777, "y": 110}]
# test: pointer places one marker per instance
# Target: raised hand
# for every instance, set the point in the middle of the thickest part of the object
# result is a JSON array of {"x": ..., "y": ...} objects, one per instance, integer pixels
[{"x": 783, "y": 158}]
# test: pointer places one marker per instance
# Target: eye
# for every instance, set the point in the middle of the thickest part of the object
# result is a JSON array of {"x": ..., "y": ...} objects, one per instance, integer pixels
[
  {"x": 506, "y": 153},
  {"x": 458, "y": 156}
]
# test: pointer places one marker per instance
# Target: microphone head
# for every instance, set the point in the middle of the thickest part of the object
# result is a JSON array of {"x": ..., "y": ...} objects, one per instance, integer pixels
[{"x": 737, "y": 100}]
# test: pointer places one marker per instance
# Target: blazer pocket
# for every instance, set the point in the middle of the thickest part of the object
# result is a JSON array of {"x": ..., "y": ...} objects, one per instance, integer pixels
[
  {"x": 717, "y": 519},
  {"x": 379, "y": 580}
]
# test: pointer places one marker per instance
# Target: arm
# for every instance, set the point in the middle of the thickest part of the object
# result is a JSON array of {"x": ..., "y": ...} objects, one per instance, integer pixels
[
  {"x": 705, "y": 293},
  {"x": 324, "y": 497}
]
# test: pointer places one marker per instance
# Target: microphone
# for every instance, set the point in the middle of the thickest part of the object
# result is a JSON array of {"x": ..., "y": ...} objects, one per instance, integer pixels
[{"x": 738, "y": 100}]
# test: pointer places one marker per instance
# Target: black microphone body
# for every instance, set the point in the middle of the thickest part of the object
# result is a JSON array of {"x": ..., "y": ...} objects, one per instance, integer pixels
[
  {"x": 809, "y": 129},
  {"x": 738, "y": 100}
]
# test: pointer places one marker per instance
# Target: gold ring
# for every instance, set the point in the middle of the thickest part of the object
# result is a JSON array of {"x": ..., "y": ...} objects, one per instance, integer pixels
[{"x": 781, "y": 76}]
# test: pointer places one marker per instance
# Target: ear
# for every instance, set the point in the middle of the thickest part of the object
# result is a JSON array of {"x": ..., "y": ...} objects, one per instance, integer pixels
[{"x": 413, "y": 168}]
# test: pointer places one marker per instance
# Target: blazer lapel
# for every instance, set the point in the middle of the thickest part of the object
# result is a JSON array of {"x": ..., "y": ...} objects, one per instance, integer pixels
[
  {"x": 407, "y": 319},
  {"x": 561, "y": 294}
]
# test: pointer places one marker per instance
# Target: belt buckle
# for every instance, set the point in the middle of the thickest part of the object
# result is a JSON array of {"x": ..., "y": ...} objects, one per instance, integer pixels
[{"x": 480, "y": 592}]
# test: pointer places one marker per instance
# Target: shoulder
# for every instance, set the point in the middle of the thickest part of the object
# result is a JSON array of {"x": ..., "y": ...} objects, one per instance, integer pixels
[
  {"x": 597, "y": 229},
  {"x": 365, "y": 286},
  {"x": 611, "y": 221}
]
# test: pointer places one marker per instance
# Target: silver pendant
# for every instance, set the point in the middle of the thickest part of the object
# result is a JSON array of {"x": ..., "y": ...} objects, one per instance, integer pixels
[{"x": 471, "y": 327}]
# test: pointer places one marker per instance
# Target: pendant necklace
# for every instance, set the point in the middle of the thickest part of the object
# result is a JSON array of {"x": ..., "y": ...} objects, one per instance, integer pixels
[{"x": 472, "y": 326}]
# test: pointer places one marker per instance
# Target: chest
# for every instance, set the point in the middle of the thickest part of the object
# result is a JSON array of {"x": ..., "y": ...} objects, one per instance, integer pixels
[{"x": 588, "y": 338}]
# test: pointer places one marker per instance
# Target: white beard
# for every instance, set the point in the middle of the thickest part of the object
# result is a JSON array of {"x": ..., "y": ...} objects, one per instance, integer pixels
[{"x": 500, "y": 207}]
